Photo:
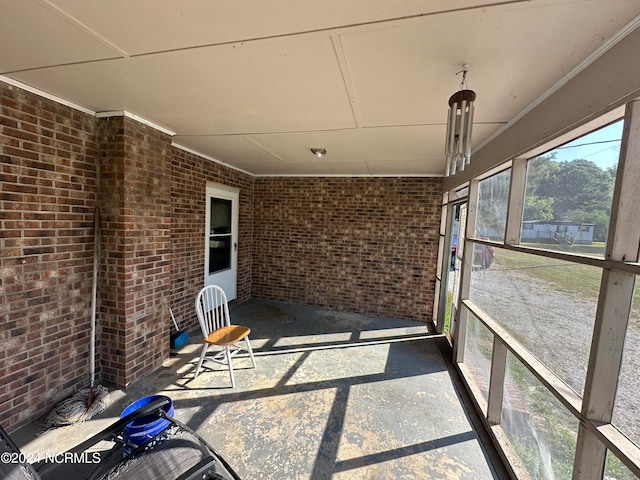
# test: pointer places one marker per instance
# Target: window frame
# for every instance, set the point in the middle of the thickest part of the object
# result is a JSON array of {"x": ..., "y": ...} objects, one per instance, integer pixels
[{"x": 620, "y": 266}]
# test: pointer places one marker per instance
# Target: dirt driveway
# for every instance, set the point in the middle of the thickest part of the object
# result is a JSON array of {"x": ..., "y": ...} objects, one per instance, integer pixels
[{"x": 557, "y": 326}]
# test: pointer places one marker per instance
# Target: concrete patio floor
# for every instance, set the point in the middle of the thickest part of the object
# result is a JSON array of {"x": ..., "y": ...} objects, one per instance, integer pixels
[{"x": 334, "y": 396}]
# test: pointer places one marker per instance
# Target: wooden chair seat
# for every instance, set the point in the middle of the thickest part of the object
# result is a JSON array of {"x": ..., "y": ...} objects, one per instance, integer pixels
[{"x": 227, "y": 335}]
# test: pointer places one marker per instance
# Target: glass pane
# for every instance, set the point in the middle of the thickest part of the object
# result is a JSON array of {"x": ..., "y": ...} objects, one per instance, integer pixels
[
  {"x": 453, "y": 284},
  {"x": 219, "y": 254},
  {"x": 542, "y": 433},
  {"x": 569, "y": 193},
  {"x": 493, "y": 198},
  {"x": 477, "y": 354},
  {"x": 483, "y": 256},
  {"x": 220, "y": 216},
  {"x": 548, "y": 305},
  {"x": 627, "y": 404},
  {"x": 616, "y": 470},
  {"x": 463, "y": 192}
]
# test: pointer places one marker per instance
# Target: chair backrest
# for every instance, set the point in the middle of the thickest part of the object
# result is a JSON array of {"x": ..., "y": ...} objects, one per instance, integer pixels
[{"x": 212, "y": 309}]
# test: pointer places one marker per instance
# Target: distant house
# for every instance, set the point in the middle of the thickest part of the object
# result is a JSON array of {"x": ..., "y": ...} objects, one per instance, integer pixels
[{"x": 552, "y": 231}]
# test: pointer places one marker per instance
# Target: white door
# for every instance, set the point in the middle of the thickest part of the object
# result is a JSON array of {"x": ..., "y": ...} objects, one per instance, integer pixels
[{"x": 221, "y": 242}]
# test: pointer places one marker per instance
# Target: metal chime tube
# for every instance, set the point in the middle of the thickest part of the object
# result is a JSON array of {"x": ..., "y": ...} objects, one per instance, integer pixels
[
  {"x": 460, "y": 135},
  {"x": 467, "y": 138},
  {"x": 447, "y": 170},
  {"x": 449, "y": 143},
  {"x": 459, "y": 126}
]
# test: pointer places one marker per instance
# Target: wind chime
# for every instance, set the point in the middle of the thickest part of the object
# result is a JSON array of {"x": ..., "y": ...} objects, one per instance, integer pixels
[{"x": 459, "y": 126}]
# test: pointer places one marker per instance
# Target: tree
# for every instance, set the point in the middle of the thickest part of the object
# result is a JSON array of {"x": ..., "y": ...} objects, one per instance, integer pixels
[
  {"x": 537, "y": 208},
  {"x": 577, "y": 191},
  {"x": 598, "y": 217},
  {"x": 582, "y": 185},
  {"x": 541, "y": 176}
]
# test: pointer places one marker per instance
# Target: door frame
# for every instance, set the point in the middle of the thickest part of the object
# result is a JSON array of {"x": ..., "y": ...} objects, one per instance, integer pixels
[
  {"x": 227, "y": 279},
  {"x": 447, "y": 276}
]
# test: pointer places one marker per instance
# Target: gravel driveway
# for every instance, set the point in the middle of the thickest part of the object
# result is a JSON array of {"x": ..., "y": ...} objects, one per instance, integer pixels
[{"x": 557, "y": 327}]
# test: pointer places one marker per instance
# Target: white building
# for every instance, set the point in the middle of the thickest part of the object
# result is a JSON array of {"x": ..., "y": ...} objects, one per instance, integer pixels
[{"x": 552, "y": 231}]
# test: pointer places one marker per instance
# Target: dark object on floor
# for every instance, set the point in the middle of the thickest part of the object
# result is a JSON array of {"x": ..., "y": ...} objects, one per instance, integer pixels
[{"x": 175, "y": 453}]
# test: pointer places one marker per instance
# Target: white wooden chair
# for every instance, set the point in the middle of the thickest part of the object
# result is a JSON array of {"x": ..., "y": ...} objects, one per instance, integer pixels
[{"x": 213, "y": 315}]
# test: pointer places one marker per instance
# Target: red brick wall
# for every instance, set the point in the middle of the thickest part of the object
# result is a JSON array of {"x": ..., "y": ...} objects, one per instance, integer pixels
[
  {"x": 152, "y": 248},
  {"x": 135, "y": 233},
  {"x": 189, "y": 175},
  {"x": 357, "y": 244},
  {"x": 367, "y": 245},
  {"x": 47, "y": 203}
]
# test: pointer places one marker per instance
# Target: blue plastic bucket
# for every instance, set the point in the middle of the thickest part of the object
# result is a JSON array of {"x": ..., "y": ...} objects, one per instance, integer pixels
[{"x": 147, "y": 426}]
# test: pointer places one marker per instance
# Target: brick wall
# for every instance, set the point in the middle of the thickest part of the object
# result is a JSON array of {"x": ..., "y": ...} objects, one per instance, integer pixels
[
  {"x": 368, "y": 245},
  {"x": 357, "y": 244},
  {"x": 189, "y": 176},
  {"x": 135, "y": 232},
  {"x": 151, "y": 198},
  {"x": 47, "y": 203}
]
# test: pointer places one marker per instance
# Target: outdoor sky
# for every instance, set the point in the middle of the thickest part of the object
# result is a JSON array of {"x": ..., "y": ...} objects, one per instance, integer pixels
[{"x": 597, "y": 147}]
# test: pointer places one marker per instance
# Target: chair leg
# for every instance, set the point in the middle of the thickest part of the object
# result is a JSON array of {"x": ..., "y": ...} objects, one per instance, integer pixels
[
  {"x": 228, "y": 352},
  {"x": 202, "y": 354},
  {"x": 250, "y": 350}
]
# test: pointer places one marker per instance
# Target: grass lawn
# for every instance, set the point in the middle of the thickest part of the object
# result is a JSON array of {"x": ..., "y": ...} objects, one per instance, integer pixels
[
  {"x": 566, "y": 276},
  {"x": 554, "y": 429}
]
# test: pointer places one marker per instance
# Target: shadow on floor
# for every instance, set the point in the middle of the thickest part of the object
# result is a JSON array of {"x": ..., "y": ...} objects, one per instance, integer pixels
[{"x": 334, "y": 396}]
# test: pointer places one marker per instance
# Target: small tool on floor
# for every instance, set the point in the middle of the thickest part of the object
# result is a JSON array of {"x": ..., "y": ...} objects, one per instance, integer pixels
[{"x": 179, "y": 338}]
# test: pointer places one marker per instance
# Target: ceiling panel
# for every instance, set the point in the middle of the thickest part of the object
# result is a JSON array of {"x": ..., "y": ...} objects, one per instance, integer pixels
[
  {"x": 145, "y": 26},
  {"x": 266, "y": 87},
  {"x": 368, "y": 144},
  {"x": 255, "y": 84},
  {"x": 384, "y": 151},
  {"x": 423, "y": 167},
  {"x": 228, "y": 148},
  {"x": 313, "y": 167},
  {"x": 33, "y": 35},
  {"x": 515, "y": 54}
]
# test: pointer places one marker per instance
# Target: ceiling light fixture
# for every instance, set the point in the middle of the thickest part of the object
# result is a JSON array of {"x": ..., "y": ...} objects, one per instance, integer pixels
[
  {"x": 318, "y": 152},
  {"x": 459, "y": 125}
]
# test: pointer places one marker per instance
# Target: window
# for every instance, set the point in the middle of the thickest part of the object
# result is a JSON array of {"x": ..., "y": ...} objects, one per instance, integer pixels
[
  {"x": 552, "y": 329},
  {"x": 627, "y": 404},
  {"x": 477, "y": 355},
  {"x": 492, "y": 206},
  {"x": 540, "y": 303},
  {"x": 542, "y": 433},
  {"x": 219, "y": 235},
  {"x": 569, "y": 190}
]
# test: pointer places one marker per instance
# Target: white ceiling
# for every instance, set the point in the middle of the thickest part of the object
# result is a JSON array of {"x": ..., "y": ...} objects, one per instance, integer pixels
[{"x": 256, "y": 83}]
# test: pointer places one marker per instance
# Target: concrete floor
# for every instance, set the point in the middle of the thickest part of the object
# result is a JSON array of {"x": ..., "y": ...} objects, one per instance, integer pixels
[{"x": 334, "y": 396}]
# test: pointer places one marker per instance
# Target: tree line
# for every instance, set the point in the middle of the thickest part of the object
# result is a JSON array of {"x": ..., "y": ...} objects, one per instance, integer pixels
[{"x": 577, "y": 191}]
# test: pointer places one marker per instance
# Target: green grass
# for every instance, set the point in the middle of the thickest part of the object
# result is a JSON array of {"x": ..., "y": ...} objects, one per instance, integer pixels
[
  {"x": 569, "y": 277},
  {"x": 617, "y": 470},
  {"x": 596, "y": 249},
  {"x": 552, "y": 421},
  {"x": 565, "y": 276},
  {"x": 447, "y": 313}
]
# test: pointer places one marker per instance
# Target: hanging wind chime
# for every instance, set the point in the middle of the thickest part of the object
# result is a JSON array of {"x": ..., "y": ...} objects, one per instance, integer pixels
[{"x": 459, "y": 125}]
